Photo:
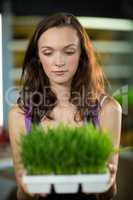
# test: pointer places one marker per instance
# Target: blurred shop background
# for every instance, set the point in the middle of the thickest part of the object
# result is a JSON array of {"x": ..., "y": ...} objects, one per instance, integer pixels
[{"x": 110, "y": 26}]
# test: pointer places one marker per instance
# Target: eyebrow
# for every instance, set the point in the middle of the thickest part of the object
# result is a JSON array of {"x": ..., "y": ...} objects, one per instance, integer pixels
[{"x": 48, "y": 47}]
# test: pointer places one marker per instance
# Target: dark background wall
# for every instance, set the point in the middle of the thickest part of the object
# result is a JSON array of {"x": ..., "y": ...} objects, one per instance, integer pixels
[{"x": 101, "y": 8}]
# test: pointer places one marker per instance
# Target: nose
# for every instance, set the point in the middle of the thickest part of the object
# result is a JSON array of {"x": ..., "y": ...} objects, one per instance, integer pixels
[
  {"x": 59, "y": 61},
  {"x": 60, "y": 65}
]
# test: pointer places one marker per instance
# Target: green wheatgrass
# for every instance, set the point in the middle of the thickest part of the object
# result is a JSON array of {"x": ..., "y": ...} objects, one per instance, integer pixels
[{"x": 65, "y": 149}]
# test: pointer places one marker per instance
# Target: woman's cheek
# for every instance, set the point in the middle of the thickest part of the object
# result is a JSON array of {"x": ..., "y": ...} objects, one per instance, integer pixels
[
  {"x": 46, "y": 66},
  {"x": 73, "y": 63}
]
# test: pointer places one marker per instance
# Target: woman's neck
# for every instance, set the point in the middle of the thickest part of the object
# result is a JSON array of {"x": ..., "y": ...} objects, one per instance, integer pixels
[{"x": 62, "y": 92}]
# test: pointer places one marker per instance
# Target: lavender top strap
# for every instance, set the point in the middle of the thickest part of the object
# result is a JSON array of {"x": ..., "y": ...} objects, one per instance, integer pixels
[
  {"x": 93, "y": 115},
  {"x": 27, "y": 123},
  {"x": 95, "y": 118}
]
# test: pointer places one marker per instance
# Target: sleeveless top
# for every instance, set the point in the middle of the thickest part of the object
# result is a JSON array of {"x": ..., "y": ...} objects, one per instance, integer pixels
[{"x": 93, "y": 113}]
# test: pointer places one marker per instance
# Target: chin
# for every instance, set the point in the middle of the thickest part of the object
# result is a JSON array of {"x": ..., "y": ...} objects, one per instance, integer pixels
[{"x": 61, "y": 80}]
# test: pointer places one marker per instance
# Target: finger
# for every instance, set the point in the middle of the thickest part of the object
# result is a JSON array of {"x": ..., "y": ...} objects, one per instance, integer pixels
[
  {"x": 24, "y": 186},
  {"x": 43, "y": 194},
  {"x": 112, "y": 168},
  {"x": 86, "y": 193}
]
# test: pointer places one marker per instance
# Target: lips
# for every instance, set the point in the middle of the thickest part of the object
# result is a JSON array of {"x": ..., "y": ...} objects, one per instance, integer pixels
[{"x": 59, "y": 72}]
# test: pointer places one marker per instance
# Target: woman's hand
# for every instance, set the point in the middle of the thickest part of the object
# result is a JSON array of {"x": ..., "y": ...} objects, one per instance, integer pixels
[
  {"x": 25, "y": 190},
  {"x": 43, "y": 195},
  {"x": 112, "y": 169},
  {"x": 24, "y": 187}
]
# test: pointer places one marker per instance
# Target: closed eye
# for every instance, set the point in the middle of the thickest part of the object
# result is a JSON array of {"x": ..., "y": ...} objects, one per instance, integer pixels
[
  {"x": 47, "y": 54},
  {"x": 70, "y": 52}
]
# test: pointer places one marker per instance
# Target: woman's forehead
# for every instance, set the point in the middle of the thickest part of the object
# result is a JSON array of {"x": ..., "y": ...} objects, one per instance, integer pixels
[{"x": 59, "y": 36}]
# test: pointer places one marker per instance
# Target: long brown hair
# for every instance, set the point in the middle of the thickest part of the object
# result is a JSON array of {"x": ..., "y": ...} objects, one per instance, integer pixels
[{"x": 88, "y": 81}]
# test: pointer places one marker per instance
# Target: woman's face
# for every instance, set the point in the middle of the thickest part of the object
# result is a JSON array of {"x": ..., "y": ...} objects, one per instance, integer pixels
[{"x": 59, "y": 53}]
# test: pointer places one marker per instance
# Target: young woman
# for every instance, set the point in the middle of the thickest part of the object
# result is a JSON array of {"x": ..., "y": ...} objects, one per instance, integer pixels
[{"x": 61, "y": 81}]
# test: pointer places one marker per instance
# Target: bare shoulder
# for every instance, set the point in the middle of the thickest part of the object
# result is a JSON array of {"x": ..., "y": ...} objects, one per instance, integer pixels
[
  {"x": 111, "y": 105},
  {"x": 15, "y": 119},
  {"x": 15, "y": 112},
  {"x": 111, "y": 116},
  {"x": 16, "y": 109}
]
